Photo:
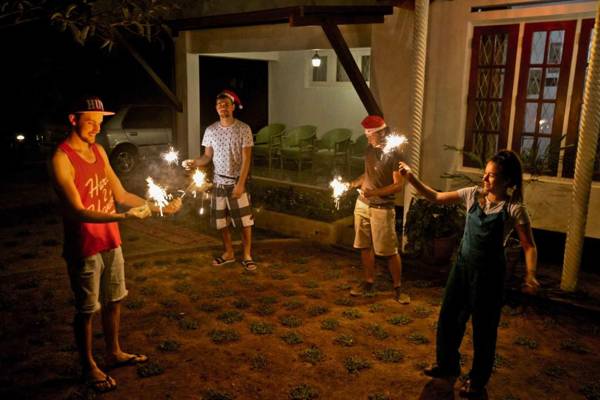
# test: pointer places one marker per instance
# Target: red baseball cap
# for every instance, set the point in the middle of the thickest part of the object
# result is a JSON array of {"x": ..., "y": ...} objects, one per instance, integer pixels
[
  {"x": 373, "y": 123},
  {"x": 235, "y": 99}
]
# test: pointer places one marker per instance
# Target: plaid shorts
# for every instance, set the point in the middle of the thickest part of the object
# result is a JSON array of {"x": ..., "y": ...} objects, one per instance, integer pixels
[{"x": 225, "y": 210}]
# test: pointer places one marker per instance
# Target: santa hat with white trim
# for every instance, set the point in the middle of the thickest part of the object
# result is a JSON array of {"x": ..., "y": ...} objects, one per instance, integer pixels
[
  {"x": 231, "y": 95},
  {"x": 373, "y": 123}
]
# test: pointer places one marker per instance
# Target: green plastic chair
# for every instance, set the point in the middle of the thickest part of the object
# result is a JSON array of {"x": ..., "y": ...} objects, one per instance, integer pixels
[
  {"x": 334, "y": 145},
  {"x": 357, "y": 157},
  {"x": 268, "y": 142},
  {"x": 298, "y": 144}
]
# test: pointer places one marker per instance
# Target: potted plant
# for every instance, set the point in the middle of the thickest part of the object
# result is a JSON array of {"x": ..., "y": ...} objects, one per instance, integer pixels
[{"x": 433, "y": 229}]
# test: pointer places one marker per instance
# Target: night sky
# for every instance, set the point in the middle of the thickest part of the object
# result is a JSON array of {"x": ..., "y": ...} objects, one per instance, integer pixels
[{"x": 43, "y": 70}]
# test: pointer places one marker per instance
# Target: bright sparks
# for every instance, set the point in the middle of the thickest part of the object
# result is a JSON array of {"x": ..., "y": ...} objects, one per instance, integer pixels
[
  {"x": 171, "y": 157},
  {"x": 199, "y": 183},
  {"x": 158, "y": 195},
  {"x": 394, "y": 142},
  {"x": 339, "y": 188},
  {"x": 199, "y": 178}
]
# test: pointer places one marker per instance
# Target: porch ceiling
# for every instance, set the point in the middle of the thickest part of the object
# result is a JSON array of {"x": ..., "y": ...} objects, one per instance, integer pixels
[{"x": 299, "y": 15}]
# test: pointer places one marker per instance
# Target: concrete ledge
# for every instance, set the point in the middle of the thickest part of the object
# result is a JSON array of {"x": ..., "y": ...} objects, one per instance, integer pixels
[{"x": 340, "y": 232}]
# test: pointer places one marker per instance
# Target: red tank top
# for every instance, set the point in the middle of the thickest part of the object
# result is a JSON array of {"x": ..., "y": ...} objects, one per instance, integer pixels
[{"x": 83, "y": 239}]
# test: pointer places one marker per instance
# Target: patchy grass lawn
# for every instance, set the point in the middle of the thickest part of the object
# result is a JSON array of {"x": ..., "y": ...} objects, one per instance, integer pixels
[{"x": 288, "y": 331}]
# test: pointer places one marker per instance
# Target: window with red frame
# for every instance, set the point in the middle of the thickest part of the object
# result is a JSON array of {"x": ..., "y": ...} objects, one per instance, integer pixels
[
  {"x": 541, "y": 98},
  {"x": 542, "y": 94},
  {"x": 490, "y": 91}
]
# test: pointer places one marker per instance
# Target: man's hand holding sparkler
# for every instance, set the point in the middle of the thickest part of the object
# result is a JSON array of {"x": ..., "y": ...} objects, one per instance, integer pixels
[
  {"x": 188, "y": 164},
  {"x": 404, "y": 169},
  {"x": 139, "y": 212},
  {"x": 171, "y": 208}
]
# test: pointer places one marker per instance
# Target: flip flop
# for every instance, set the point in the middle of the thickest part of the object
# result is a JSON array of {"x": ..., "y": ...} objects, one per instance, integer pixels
[
  {"x": 133, "y": 360},
  {"x": 98, "y": 384},
  {"x": 218, "y": 261},
  {"x": 250, "y": 265}
]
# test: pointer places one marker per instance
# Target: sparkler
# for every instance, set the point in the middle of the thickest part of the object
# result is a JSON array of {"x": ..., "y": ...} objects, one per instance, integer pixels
[
  {"x": 198, "y": 184},
  {"x": 201, "y": 210},
  {"x": 339, "y": 188},
  {"x": 171, "y": 157},
  {"x": 158, "y": 195},
  {"x": 393, "y": 142},
  {"x": 199, "y": 178}
]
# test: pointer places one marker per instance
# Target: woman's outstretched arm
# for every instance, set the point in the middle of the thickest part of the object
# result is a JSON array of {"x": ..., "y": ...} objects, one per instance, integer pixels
[{"x": 425, "y": 191}]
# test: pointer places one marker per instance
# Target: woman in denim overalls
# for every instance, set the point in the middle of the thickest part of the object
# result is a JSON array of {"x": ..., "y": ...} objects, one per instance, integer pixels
[{"x": 476, "y": 281}]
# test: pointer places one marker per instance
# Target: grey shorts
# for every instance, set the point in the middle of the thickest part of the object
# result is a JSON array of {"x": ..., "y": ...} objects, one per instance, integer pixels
[
  {"x": 375, "y": 227},
  {"x": 97, "y": 279}
]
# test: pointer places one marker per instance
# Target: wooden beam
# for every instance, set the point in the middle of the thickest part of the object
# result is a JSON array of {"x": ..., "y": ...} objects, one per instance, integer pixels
[
  {"x": 406, "y": 4},
  {"x": 358, "y": 81},
  {"x": 346, "y": 10},
  {"x": 153, "y": 75},
  {"x": 346, "y": 15},
  {"x": 312, "y": 20},
  {"x": 263, "y": 17}
]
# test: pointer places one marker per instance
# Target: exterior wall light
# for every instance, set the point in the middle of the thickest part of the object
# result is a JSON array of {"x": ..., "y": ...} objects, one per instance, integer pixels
[{"x": 316, "y": 60}]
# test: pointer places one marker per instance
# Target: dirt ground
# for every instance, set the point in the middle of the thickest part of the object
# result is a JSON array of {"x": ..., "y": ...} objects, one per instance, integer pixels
[{"x": 288, "y": 331}]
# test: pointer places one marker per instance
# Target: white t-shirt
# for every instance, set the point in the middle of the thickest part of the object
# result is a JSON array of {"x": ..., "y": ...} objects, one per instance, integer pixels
[
  {"x": 227, "y": 143},
  {"x": 517, "y": 213}
]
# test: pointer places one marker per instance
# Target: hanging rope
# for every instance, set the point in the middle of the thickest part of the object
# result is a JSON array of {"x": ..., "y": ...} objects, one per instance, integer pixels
[
  {"x": 584, "y": 166},
  {"x": 420, "y": 43},
  {"x": 416, "y": 125}
]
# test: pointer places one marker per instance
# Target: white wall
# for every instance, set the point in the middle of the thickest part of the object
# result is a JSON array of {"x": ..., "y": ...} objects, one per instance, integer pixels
[
  {"x": 293, "y": 101},
  {"x": 548, "y": 199},
  {"x": 260, "y": 42}
]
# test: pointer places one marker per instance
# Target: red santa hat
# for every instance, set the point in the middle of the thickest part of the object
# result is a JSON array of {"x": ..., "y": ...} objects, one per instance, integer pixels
[
  {"x": 373, "y": 123},
  {"x": 231, "y": 95}
]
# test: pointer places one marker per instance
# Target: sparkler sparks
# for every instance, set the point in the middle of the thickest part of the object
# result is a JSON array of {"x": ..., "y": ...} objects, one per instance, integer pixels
[
  {"x": 199, "y": 178},
  {"x": 394, "y": 142},
  {"x": 158, "y": 195},
  {"x": 201, "y": 209},
  {"x": 339, "y": 188},
  {"x": 198, "y": 184},
  {"x": 171, "y": 157}
]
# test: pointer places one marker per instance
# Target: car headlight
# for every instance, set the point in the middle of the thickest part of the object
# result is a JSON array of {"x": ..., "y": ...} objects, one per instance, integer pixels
[{"x": 20, "y": 137}]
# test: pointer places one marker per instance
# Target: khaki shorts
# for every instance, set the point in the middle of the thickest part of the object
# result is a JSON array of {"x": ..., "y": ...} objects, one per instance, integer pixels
[
  {"x": 375, "y": 227},
  {"x": 97, "y": 279}
]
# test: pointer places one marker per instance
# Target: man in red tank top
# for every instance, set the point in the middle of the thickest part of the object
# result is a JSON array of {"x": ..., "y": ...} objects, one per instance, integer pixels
[{"x": 88, "y": 188}]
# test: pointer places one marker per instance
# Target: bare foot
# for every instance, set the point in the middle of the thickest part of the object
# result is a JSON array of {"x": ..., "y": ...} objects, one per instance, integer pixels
[
  {"x": 122, "y": 359},
  {"x": 225, "y": 258},
  {"x": 99, "y": 381}
]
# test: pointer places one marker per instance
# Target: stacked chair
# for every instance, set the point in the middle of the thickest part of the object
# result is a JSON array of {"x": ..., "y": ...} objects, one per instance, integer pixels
[
  {"x": 357, "y": 157},
  {"x": 267, "y": 143},
  {"x": 334, "y": 146},
  {"x": 297, "y": 144}
]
